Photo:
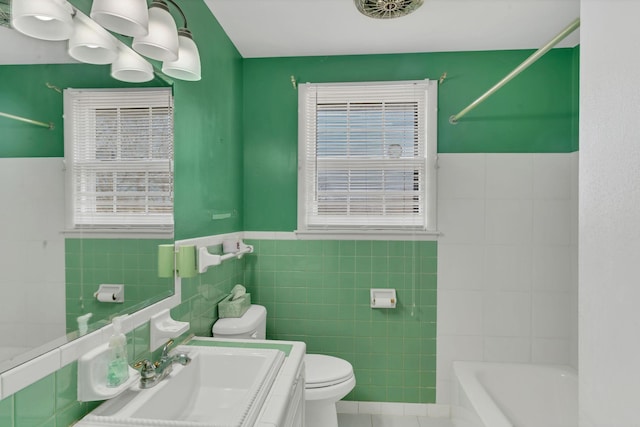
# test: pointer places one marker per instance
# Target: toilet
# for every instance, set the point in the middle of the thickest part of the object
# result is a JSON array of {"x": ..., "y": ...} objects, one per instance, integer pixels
[
  {"x": 252, "y": 325},
  {"x": 327, "y": 379}
]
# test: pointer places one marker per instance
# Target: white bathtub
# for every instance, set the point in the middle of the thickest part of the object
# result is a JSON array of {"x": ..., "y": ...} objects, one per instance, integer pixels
[{"x": 514, "y": 395}]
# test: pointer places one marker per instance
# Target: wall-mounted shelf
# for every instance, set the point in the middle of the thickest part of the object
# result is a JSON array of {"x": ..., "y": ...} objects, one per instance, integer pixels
[
  {"x": 92, "y": 376},
  {"x": 163, "y": 327}
]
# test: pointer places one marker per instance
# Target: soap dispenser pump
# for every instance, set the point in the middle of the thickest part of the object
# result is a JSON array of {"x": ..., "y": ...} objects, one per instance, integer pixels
[{"x": 118, "y": 366}]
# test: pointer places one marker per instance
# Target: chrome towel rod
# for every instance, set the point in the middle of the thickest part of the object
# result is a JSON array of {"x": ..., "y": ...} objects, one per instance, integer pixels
[
  {"x": 520, "y": 68},
  {"x": 23, "y": 119}
]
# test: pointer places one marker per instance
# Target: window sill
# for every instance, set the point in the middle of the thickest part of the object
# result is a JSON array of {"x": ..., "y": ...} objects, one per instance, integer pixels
[{"x": 336, "y": 234}]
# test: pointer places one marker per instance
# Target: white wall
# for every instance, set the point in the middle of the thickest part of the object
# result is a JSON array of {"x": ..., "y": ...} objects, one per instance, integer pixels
[
  {"x": 609, "y": 260},
  {"x": 506, "y": 260},
  {"x": 32, "y": 306}
]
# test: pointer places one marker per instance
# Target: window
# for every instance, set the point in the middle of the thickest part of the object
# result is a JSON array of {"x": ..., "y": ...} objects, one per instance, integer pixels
[
  {"x": 119, "y": 159},
  {"x": 367, "y": 156}
]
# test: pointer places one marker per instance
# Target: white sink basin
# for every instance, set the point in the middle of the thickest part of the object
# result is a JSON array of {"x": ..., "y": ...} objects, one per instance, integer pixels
[{"x": 221, "y": 386}]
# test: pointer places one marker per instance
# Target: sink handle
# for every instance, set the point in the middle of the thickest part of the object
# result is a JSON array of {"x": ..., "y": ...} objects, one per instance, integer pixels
[{"x": 147, "y": 369}]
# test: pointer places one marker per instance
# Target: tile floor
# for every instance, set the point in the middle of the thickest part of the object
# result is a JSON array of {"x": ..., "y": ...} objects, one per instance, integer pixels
[{"x": 376, "y": 420}]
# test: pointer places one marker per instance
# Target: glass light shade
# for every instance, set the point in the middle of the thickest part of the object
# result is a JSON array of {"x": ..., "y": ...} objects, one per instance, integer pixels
[
  {"x": 162, "y": 41},
  {"x": 42, "y": 19},
  {"x": 127, "y": 17},
  {"x": 187, "y": 67},
  {"x": 131, "y": 67},
  {"x": 91, "y": 43}
]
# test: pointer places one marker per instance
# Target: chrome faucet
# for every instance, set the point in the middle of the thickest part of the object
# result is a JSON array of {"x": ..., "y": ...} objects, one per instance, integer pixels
[{"x": 152, "y": 373}]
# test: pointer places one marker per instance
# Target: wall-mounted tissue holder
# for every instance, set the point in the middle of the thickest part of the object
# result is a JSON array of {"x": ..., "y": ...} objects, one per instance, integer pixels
[
  {"x": 383, "y": 298},
  {"x": 110, "y": 293},
  {"x": 230, "y": 248}
]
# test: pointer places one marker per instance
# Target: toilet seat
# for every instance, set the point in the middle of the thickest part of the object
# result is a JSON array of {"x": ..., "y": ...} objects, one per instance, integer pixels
[
  {"x": 325, "y": 371},
  {"x": 330, "y": 394}
]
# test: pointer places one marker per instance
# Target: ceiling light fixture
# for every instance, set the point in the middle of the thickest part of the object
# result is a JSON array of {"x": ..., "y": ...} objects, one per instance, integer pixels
[
  {"x": 187, "y": 66},
  {"x": 154, "y": 35},
  {"x": 43, "y": 19},
  {"x": 91, "y": 43},
  {"x": 127, "y": 17},
  {"x": 385, "y": 9},
  {"x": 131, "y": 67},
  {"x": 161, "y": 42}
]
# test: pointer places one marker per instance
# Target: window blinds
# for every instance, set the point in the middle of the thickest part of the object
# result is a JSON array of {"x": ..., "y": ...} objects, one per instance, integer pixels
[
  {"x": 119, "y": 150},
  {"x": 363, "y": 155}
]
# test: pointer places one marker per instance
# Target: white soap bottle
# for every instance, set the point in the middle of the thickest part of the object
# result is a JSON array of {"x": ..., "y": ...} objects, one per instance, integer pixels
[{"x": 118, "y": 366}]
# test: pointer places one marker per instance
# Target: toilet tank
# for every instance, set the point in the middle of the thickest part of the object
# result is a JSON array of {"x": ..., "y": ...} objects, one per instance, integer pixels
[{"x": 252, "y": 324}]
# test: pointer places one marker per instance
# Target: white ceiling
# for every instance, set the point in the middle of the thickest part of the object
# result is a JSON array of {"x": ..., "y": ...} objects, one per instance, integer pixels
[{"x": 274, "y": 28}]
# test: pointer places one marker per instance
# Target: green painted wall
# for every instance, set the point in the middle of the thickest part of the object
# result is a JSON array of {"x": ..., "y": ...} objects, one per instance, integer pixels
[
  {"x": 535, "y": 112},
  {"x": 25, "y": 93},
  {"x": 318, "y": 292},
  {"x": 208, "y": 134}
]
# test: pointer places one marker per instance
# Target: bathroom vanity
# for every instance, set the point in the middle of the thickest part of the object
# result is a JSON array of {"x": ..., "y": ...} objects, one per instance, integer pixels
[{"x": 243, "y": 383}]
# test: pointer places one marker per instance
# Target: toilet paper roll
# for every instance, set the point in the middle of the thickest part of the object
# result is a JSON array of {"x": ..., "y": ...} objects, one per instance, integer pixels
[
  {"x": 384, "y": 303},
  {"x": 106, "y": 296}
]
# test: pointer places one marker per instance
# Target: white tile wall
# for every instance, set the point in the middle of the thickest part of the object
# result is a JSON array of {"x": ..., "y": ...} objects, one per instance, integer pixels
[
  {"x": 31, "y": 251},
  {"x": 462, "y": 220},
  {"x": 451, "y": 276},
  {"x": 573, "y": 290},
  {"x": 461, "y": 176},
  {"x": 517, "y": 168},
  {"x": 464, "y": 312},
  {"x": 506, "y": 314},
  {"x": 507, "y": 282},
  {"x": 508, "y": 221},
  {"x": 515, "y": 349},
  {"x": 507, "y": 267}
]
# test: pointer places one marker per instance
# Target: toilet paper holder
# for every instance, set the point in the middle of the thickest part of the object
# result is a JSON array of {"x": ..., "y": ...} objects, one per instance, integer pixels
[
  {"x": 383, "y": 298},
  {"x": 110, "y": 293}
]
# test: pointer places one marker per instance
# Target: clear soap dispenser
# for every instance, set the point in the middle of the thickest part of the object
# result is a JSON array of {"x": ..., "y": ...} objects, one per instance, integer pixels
[{"x": 118, "y": 367}]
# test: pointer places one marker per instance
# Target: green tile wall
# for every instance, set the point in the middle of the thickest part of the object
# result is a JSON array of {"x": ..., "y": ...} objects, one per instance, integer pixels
[
  {"x": 24, "y": 94},
  {"x": 318, "y": 292},
  {"x": 91, "y": 262}
]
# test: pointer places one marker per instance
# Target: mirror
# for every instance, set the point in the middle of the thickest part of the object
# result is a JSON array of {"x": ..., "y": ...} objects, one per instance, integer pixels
[{"x": 48, "y": 278}]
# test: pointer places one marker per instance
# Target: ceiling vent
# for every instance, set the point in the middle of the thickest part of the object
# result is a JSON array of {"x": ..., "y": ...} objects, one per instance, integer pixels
[{"x": 385, "y": 9}]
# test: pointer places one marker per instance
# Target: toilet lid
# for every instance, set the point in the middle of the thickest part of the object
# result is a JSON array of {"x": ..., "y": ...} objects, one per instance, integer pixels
[{"x": 323, "y": 371}]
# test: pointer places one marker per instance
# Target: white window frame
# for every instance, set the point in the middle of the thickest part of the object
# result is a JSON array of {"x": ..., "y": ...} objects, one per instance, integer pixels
[
  {"x": 424, "y": 92},
  {"x": 85, "y": 214}
]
